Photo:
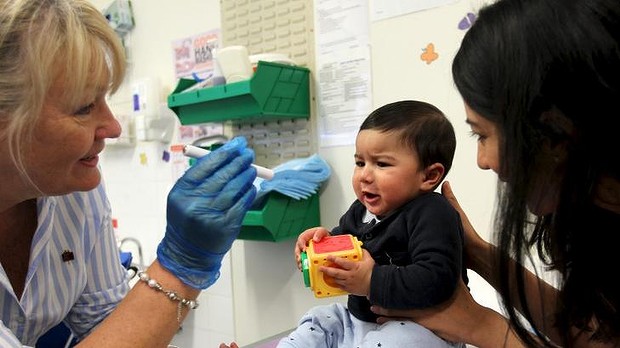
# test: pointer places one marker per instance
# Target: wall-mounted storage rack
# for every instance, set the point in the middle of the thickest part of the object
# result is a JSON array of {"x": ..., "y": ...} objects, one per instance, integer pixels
[{"x": 275, "y": 91}]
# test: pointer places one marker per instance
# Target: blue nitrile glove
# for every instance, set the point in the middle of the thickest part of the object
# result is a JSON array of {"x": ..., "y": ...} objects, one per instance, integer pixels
[{"x": 205, "y": 210}]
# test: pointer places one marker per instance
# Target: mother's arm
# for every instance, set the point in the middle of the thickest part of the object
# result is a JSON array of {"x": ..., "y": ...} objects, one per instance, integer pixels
[
  {"x": 481, "y": 256},
  {"x": 461, "y": 319}
]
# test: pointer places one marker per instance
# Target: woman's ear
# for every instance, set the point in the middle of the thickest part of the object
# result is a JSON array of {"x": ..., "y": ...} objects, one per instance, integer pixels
[
  {"x": 433, "y": 175},
  {"x": 559, "y": 125},
  {"x": 560, "y": 130}
]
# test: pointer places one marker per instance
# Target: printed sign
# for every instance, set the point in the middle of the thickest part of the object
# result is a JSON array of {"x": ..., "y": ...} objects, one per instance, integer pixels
[{"x": 193, "y": 56}]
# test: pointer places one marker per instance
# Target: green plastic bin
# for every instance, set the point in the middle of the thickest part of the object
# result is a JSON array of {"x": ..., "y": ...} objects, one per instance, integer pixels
[
  {"x": 281, "y": 218},
  {"x": 275, "y": 91}
]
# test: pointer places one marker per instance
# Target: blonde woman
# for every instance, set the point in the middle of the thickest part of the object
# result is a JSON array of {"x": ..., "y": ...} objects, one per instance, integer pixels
[{"x": 60, "y": 262}]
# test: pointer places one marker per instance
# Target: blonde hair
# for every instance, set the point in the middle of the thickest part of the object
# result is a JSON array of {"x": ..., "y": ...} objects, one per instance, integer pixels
[{"x": 48, "y": 42}]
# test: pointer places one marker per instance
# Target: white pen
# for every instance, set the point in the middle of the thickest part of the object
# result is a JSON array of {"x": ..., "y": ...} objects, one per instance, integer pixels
[{"x": 197, "y": 152}]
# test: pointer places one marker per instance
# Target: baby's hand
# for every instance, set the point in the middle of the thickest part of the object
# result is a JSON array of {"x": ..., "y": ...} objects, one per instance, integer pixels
[
  {"x": 351, "y": 276},
  {"x": 315, "y": 233}
]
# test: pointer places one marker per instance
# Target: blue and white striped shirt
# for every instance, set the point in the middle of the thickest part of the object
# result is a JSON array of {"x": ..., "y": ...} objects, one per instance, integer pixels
[{"x": 83, "y": 288}]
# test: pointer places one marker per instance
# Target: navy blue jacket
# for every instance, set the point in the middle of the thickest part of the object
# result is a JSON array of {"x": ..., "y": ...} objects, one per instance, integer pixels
[{"x": 418, "y": 253}]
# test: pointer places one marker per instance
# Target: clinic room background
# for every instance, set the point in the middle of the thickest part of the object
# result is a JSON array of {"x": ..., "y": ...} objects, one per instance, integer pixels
[{"x": 360, "y": 54}]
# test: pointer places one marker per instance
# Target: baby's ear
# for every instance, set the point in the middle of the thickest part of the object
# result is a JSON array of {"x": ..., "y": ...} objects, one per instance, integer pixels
[{"x": 433, "y": 175}]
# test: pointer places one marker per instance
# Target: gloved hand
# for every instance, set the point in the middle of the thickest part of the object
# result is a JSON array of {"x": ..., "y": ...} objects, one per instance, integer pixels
[{"x": 205, "y": 210}]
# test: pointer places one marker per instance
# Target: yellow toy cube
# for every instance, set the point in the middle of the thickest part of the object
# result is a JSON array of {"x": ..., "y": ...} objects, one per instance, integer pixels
[{"x": 345, "y": 246}]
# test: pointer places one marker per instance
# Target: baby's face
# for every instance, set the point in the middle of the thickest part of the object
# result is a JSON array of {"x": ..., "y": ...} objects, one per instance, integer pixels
[{"x": 387, "y": 173}]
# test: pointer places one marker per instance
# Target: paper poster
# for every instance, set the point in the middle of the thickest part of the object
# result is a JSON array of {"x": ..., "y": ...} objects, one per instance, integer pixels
[
  {"x": 382, "y": 9},
  {"x": 343, "y": 65},
  {"x": 194, "y": 55}
]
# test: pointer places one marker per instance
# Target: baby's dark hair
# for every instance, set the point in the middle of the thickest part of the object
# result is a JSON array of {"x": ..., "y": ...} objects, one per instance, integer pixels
[{"x": 421, "y": 126}]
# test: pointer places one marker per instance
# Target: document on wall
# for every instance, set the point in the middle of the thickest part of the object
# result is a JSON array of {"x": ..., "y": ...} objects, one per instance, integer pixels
[
  {"x": 382, "y": 9},
  {"x": 343, "y": 69},
  {"x": 193, "y": 56}
]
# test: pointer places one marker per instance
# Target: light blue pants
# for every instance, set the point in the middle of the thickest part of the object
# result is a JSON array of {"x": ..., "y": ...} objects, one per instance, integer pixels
[{"x": 332, "y": 326}]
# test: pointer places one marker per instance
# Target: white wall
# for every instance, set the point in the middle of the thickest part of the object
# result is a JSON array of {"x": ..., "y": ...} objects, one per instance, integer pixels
[{"x": 138, "y": 190}]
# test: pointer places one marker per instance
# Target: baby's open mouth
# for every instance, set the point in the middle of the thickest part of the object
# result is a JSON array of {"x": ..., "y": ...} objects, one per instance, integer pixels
[{"x": 369, "y": 195}]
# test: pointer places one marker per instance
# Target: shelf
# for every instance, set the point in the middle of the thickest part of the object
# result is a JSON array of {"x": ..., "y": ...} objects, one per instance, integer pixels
[
  {"x": 281, "y": 218},
  {"x": 275, "y": 91}
]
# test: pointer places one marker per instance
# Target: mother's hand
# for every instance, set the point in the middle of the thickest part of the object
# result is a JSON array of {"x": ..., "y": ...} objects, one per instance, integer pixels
[
  {"x": 453, "y": 320},
  {"x": 475, "y": 246}
]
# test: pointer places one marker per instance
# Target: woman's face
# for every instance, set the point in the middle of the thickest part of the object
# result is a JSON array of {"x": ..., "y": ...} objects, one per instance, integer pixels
[
  {"x": 387, "y": 173},
  {"x": 544, "y": 193},
  {"x": 488, "y": 140},
  {"x": 64, "y": 152}
]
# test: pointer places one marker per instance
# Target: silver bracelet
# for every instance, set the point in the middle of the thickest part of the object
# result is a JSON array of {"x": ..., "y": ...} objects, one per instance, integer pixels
[{"x": 173, "y": 296}]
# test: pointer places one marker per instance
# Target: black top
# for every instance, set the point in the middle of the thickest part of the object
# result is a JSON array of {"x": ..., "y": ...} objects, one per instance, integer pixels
[{"x": 418, "y": 253}]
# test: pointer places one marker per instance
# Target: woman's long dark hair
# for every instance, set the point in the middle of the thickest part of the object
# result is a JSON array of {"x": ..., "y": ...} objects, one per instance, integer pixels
[{"x": 547, "y": 72}]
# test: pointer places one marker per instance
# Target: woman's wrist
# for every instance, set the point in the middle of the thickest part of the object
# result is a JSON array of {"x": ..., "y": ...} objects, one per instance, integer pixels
[
  {"x": 170, "y": 294},
  {"x": 481, "y": 257},
  {"x": 169, "y": 281},
  {"x": 154, "y": 314}
]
